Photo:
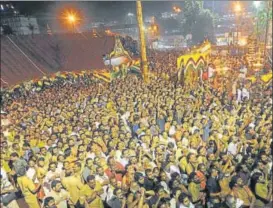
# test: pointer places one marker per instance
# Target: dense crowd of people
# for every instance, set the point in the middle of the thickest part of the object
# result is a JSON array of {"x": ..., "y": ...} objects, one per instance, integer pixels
[{"x": 129, "y": 144}]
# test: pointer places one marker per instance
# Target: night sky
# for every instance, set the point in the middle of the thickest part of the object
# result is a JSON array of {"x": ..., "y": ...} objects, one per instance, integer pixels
[{"x": 110, "y": 10}]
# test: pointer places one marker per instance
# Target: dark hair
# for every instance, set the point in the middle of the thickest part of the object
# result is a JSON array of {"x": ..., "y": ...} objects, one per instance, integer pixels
[
  {"x": 182, "y": 196},
  {"x": 191, "y": 176},
  {"x": 14, "y": 154},
  {"x": 174, "y": 190},
  {"x": 115, "y": 191},
  {"x": 47, "y": 200},
  {"x": 189, "y": 155},
  {"x": 67, "y": 152},
  {"x": 40, "y": 159},
  {"x": 51, "y": 163},
  {"x": 54, "y": 183},
  {"x": 174, "y": 175},
  {"x": 90, "y": 177},
  {"x": 87, "y": 160}
]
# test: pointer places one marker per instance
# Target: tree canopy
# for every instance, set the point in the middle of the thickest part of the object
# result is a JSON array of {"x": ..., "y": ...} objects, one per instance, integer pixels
[{"x": 198, "y": 21}]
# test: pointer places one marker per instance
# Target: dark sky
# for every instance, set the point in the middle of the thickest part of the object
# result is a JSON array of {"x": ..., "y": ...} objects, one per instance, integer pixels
[
  {"x": 98, "y": 9},
  {"x": 109, "y": 10}
]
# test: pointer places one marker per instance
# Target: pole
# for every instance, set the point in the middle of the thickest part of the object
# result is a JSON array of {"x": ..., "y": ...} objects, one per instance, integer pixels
[
  {"x": 144, "y": 63},
  {"x": 257, "y": 24},
  {"x": 266, "y": 32}
]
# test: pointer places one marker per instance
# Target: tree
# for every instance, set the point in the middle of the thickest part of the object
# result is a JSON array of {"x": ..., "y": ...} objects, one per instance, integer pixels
[{"x": 198, "y": 21}]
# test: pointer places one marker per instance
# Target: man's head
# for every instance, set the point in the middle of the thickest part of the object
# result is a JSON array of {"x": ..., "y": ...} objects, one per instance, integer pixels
[
  {"x": 149, "y": 173},
  {"x": 14, "y": 156},
  {"x": 52, "y": 166},
  {"x": 118, "y": 193},
  {"x": 134, "y": 187},
  {"x": 100, "y": 171},
  {"x": 77, "y": 167},
  {"x": 49, "y": 202},
  {"x": 239, "y": 182},
  {"x": 91, "y": 181},
  {"x": 214, "y": 172},
  {"x": 191, "y": 158},
  {"x": 184, "y": 199},
  {"x": 56, "y": 186},
  {"x": 193, "y": 178}
]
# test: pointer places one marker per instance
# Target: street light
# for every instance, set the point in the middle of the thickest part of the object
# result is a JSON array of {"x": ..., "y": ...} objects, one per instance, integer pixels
[
  {"x": 176, "y": 9},
  {"x": 238, "y": 8},
  {"x": 71, "y": 18}
]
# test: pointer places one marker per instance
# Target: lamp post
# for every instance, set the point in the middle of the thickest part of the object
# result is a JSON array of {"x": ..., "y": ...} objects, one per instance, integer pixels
[
  {"x": 237, "y": 9},
  {"x": 257, "y": 5},
  {"x": 144, "y": 64},
  {"x": 268, "y": 6}
]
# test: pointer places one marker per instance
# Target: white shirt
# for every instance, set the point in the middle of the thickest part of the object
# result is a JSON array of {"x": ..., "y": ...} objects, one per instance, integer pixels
[
  {"x": 210, "y": 72},
  {"x": 123, "y": 161},
  {"x": 245, "y": 93},
  {"x": 191, "y": 206},
  {"x": 172, "y": 130},
  {"x": 58, "y": 196},
  {"x": 30, "y": 173},
  {"x": 232, "y": 148},
  {"x": 239, "y": 96},
  {"x": 101, "y": 179}
]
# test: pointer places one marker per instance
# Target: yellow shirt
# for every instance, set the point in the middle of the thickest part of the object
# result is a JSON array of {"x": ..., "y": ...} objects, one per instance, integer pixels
[
  {"x": 5, "y": 166},
  {"x": 33, "y": 143},
  {"x": 183, "y": 164},
  {"x": 73, "y": 185},
  {"x": 262, "y": 191},
  {"x": 224, "y": 184},
  {"x": 190, "y": 168},
  {"x": 194, "y": 189},
  {"x": 27, "y": 187},
  {"x": 244, "y": 194},
  {"x": 86, "y": 192}
]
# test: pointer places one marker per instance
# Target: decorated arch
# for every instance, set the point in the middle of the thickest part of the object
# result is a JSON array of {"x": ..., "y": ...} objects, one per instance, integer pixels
[{"x": 191, "y": 65}]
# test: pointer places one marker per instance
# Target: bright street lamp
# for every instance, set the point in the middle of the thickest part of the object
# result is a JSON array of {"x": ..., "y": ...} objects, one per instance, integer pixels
[
  {"x": 71, "y": 18},
  {"x": 238, "y": 7}
]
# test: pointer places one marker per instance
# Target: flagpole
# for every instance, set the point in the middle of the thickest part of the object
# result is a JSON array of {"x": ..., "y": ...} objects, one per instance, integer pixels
[{"x": 144, "y": 63}]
